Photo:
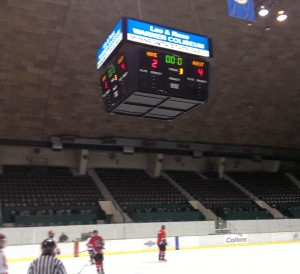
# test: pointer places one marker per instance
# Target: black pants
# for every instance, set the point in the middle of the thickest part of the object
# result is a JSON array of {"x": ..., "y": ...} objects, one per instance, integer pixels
[{"x": 162, "y": 247}]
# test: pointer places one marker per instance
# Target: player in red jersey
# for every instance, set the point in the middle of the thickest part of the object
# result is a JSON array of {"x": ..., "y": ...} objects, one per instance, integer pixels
[
  {"x": 162, "y": 243},
  {"x": 96, "y": 243},
  {"x": 90, "y": 248},
  {"x": 51, "y": 235}
]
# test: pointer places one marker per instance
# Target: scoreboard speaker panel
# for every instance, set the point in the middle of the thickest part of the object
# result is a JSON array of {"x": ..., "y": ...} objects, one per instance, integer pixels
[
  {"x": 154, "y": 106},
  {"x": 140, "y": 98},
  {"x": 163, "y": 114},
  {"x": 179, "y": 104},
  {"x": 145, "y": 82},
  {"x": 131, "y": 110}
]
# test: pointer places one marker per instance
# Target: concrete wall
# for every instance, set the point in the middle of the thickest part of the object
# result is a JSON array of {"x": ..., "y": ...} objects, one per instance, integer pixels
[{"x": 14, "y": 155}]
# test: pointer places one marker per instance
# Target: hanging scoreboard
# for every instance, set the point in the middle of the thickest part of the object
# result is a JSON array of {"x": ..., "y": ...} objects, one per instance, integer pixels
[{"x": 151, "y": 71}]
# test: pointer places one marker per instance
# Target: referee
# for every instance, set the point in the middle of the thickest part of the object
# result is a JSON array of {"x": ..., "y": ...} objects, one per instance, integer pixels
[{"x": 47, "y": 263}]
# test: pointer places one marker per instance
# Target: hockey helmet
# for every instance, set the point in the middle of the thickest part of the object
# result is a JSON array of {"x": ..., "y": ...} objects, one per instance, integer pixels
[
  {"x": 51, "y": 233},
  {"x": 2, "y": 240},
  {"x": 48, "y": 247},
  {"x": 163, "y": 227},
  {"x": 95, "y": 232}
]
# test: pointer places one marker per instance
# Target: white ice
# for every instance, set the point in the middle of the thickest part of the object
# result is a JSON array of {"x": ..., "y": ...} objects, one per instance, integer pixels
[{"x": 259, "y": 259}]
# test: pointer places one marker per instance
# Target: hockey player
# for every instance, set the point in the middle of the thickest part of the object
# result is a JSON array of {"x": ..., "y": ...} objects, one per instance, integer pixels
[
  {"x": 96, "y": 243},
  {"x": 90, "y": 248},
  {"x": 3, "y": 262},
  {"x": 47, "y": 262},
  {"x": 162, "y": 243},
  {"x": 51, "y": 235}
]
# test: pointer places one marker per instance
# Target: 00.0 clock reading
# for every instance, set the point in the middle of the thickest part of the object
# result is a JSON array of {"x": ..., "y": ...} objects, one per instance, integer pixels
[{"x": 173, "y": 60}]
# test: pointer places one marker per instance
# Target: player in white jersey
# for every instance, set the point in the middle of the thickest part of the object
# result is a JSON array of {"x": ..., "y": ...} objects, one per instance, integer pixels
[{"x": 3, "y": 261}]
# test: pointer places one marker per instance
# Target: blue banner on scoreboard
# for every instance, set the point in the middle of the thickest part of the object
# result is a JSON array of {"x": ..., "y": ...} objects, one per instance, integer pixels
[
  {"x": 110, "y": 44},
  {"x": 139, "y": 32},
  {"x": 171, "y": 39}
]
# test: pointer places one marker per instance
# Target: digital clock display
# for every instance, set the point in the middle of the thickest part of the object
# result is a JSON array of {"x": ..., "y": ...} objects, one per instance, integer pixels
[{"x": 173, "y": 60}]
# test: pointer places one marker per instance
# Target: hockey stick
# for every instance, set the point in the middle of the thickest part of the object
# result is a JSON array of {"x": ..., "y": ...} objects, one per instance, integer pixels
[
  {"x": 81, "y": 251},
  {"x": 84, "y": 267}
]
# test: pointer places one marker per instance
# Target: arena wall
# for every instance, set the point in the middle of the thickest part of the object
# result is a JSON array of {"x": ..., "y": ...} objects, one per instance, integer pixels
[{"x": 29, "y": 252}]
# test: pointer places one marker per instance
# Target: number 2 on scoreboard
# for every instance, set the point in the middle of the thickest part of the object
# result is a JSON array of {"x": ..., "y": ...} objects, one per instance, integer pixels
[{"x": 154, "y": 63}]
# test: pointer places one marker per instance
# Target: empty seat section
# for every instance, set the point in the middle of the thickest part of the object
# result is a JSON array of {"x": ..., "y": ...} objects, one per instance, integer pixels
[
  {"x": 142, "y": 196},
  {"x": 276, "y": 189},
  {"x": 23, "y": 188},
  {"x": 219, "y": 195}
]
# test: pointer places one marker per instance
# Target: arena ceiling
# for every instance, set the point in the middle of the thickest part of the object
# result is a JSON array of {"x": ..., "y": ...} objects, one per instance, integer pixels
[{"x": 49, "y": 84}]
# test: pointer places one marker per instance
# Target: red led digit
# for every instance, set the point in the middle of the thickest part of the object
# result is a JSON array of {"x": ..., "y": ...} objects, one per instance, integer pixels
[
  {"x": 105, "y": 84},
  {"x": 154, "y": 63},
  {"x": 200, "y": 71}
]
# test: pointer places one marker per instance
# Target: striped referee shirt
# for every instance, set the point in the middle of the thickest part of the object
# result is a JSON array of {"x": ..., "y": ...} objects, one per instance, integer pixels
[{"x": 46, "y": 264}]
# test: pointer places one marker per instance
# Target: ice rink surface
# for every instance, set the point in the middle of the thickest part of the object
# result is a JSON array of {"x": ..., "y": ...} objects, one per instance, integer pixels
[{"x": 259, "y": 259}]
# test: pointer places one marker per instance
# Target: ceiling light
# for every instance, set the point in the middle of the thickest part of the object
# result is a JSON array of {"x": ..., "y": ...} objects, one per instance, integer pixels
[
  {"x": 263, "y": 11},
  {"x": 281, "y": 16}
]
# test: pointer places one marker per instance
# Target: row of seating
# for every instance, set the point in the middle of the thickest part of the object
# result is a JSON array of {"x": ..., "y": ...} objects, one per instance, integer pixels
[
  {"x": 20, "y": 186},
  {"x": 167, "y": 216},
  {"x": 12, "y": 214},
  {"x": 222, "y": 197},
  {"x": 274, "y": 188},
  {"x": 139, "y": 194},
  {"x": 24, "y": 190},
  {"x": 145, "y": 198}
]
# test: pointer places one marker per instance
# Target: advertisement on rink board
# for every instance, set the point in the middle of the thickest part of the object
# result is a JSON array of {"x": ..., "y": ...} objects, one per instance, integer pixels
[
  {"x": 151, "y": 243},
  {"x": 285, "y": 236},
  {"x": 236, "y": 239},
  {"x": 135, "y": 245},
  {"x": 295, "y": 237}
]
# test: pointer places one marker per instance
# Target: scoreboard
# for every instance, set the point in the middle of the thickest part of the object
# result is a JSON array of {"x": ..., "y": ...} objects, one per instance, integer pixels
[
  {"x": 149, "y": 81},
  {"x": 154, "y": 72}
]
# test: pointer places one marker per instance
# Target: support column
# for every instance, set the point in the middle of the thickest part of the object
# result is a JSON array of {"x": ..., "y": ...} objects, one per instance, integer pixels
[
  {"x": 155, "y": 164},
  {"x": 83, "y": 161}
]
